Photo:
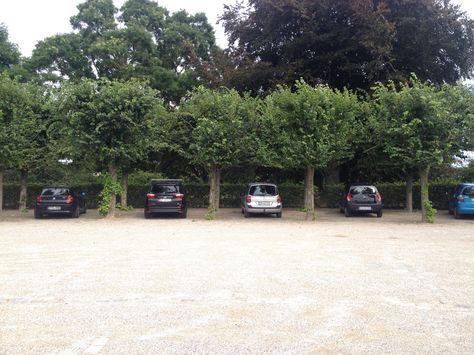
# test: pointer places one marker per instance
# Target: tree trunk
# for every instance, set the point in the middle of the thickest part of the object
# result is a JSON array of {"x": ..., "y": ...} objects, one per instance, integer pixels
[
  {"x": 309, "y": 192},
  {"x": 409, "y": 192},
  {"x": 424, "y": 191},
  {"x": 1, "y": 191},
  {"x": 214, "y": 190},
  {"x": 123, "y": 196},
  {"x": 23, "y": 190},
  {"x": 113, "y": 196}
]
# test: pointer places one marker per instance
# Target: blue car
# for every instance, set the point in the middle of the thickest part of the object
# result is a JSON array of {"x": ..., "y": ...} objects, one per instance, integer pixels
[{"x": 462, "y": 201}]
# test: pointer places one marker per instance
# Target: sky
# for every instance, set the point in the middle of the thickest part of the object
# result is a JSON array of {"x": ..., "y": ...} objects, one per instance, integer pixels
[{"x": 29, "y": 21}]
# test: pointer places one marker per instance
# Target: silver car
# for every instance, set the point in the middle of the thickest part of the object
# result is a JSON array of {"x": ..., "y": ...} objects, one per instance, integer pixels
[{"x": 261, "y": 198}]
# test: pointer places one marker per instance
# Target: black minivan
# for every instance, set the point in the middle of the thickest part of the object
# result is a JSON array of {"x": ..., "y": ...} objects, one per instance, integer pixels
[
  {"x": 60, "y": 200},
  {"x": 166, "y": 196}
]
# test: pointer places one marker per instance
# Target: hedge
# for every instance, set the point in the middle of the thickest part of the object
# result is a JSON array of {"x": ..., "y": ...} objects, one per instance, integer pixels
[{"x": 393, "y": 195}]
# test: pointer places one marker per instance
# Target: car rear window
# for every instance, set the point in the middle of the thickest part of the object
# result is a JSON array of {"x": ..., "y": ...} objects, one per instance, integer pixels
[
  {"x": 263, "y": 190},
  {"x": 55, "y": 191},
  {"x": 469, "y": 191},
  {"x": 165, "y": 189},
  {"x": 363, "y": 190}
]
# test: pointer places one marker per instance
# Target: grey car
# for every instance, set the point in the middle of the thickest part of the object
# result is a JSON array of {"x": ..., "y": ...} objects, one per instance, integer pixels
[
  {"x": 261, "y": 198},
  {"x": 361, "y": 198}
]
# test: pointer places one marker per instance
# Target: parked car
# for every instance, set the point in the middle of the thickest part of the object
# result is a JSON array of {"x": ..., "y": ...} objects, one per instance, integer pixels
[
  {"x": 166, "y": 196},
  {"x": 261, "y": 198},
  {"x": 462, "y": 201},
  {"x": 361, "y": 198},
  {"x": 60, "y": 200}
]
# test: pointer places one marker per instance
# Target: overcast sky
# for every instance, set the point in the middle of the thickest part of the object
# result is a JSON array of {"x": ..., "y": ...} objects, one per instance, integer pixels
[{"x": 29, "y": 21}]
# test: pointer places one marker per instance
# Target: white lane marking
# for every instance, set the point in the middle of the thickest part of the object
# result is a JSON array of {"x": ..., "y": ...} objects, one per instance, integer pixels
[{"x": 97, "y": 345}]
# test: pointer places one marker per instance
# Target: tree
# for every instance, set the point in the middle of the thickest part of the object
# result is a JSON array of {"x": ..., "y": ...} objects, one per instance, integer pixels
[
  {"x": 110, "y": 123},
  {"x": 144, "y": 42},
  {"x": 9, "y": 53},
  {"x": 221, "y": 137},
  {"x": 23, "y": 137},
  {"x": 315, "y": 126},
  {"x": 347, "y": 43},
  {"x": 422, "y": 125}
]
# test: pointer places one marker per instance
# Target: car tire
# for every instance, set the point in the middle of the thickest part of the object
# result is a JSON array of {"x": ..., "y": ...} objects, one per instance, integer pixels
[
  {"x": 279, "y": 215},
  {"x": 379, "y": 214},
  {"x": 76, "y": 213},
  {"x": 347, "y": 213},
  {"x": 184, "y": 214},
  {"x": 38, "y": 214},
  {"x": 457, "y": 215},
  {"x": 147, "y": 215},
  {"x": 246, "y": 214}
]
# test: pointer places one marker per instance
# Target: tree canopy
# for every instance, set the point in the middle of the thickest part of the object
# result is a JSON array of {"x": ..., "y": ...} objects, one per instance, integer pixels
[{"x": 347, "y": 43}]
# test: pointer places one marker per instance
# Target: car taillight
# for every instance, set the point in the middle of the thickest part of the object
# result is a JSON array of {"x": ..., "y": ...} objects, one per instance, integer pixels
[
  {"x": 349, "y": 197},
  {"x": 148, "y": 196},
  {"x": 378, "y": 197},
  {"x": 70, "y": 199},
  {"x": 278, "y": 199},
  {"x": 39, "y": 199},
  {"x": 179, "y": 196},
  {"x": 248, "y": 199},
  {"x": 460, "y": 198}
]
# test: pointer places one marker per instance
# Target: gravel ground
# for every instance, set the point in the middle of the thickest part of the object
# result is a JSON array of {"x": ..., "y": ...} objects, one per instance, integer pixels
[{"x": 235, "y": 285}]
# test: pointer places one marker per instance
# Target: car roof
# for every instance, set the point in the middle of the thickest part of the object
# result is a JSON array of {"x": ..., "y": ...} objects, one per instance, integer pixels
[
  {"x": 57, "y": 187},
  {"x": 261, "y": 183},
  {"x": 166, "y": 181}
]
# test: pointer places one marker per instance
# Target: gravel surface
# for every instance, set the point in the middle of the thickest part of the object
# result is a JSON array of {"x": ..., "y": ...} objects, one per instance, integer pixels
[{"x": 235, "y": 285}]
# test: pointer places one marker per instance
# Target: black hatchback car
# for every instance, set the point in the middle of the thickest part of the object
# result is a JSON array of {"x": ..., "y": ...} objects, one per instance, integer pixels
[
  {"x": 60, "y": 200},
  {"x": 361, "y": 198},
  {"x": 166, "y": 196}
]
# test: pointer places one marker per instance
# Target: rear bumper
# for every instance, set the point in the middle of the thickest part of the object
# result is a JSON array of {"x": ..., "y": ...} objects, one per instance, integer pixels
[
  {"x": 165, "y": 209},
  {"x": 364, "y": 208},
  {"x": 263, "y": 210},
  {"x": 64, "y": 209},
  {"x": 465, "y": 209}
]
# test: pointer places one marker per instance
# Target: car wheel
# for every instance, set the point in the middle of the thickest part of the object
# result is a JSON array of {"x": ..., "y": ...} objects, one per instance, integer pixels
[
  {"x": 37, "y": 214},
  {"x": 278, "y": 215},
  {"x": 347, "y": 212},
  {"x": 246, "y": 214},
  {"x": 147, "y": 215},
  {"x": 379, "y": 214},
  {"x": 76, "y": 213},
  {"x": 184, "y": 214},
  {"x": 457, "y": 215}
]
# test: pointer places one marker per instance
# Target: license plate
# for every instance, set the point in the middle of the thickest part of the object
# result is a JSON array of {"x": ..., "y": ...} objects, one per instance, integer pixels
[
  {"x": 363, "y": 208},
  {"x": 54, "y": 208},
  {"x": 264, "y": 203},
  {"x": 164, "y": 200}
]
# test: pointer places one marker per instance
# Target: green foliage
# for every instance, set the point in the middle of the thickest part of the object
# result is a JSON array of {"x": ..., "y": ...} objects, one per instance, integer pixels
[
  {"x": 414, "y": 125},
  {"x": 145, "y": 42},
  {"x": 109, "y": 188},
  {"x": 22, "y": 130},
  {"x": 222, "y": 135},
  {"x": 9, "y": 53},
  {"x": 312, "y": 126},
  {"x": 346, "y": 43},
  {"x": 430, "y": 211},
  {"x": 109, "y": 121}
]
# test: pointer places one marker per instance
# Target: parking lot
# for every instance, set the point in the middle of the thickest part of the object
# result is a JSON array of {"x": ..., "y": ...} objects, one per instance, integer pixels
[{"x": 235, "y": 285}]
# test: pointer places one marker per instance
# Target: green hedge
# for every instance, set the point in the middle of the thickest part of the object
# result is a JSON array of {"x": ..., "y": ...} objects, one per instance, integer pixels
[{"x": 393, "y": 195}]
